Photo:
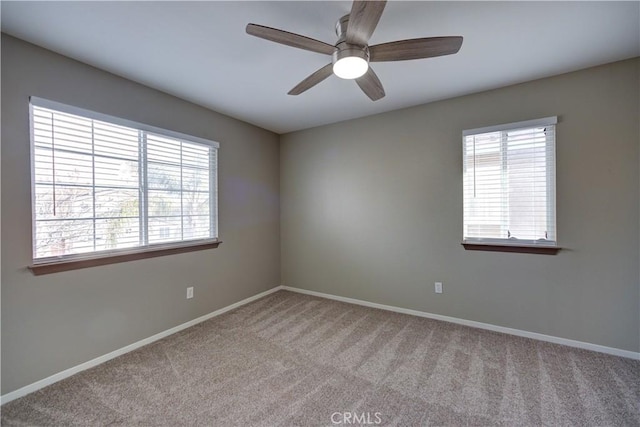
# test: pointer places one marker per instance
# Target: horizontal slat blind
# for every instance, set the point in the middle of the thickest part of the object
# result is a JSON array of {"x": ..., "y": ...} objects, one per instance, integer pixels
[
  {"x": 100, "y": 186},
  {"x": 178, "y": 180},
  {"x": 509, "y": 184}
]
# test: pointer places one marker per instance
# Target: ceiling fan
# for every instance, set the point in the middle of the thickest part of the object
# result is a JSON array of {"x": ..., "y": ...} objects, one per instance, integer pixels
[{"x": 351, "y": 54}]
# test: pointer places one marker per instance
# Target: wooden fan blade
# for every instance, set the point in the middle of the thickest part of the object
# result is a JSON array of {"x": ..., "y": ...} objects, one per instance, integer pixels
[
  {"x": 289, "y": 39},
  {"x": 403, "y": 50},
  {"x": 370, "y": 85},
  {"x": 363, "y": 20},
  {"x": 312, "y": 80}
]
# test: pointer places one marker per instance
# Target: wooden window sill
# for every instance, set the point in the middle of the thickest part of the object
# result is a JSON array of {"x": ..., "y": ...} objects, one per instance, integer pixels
[
  {"x": 525, "y": 249},
  {"x": 75, "y": 264}
]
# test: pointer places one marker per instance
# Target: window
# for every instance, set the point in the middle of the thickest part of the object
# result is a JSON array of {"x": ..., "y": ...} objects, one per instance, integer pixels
[
  {"x": 105, "y": 186},
  {"x": 509, "y": 184}
]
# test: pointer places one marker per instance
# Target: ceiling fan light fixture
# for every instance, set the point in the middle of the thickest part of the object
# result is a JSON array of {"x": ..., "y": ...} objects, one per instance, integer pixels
[
  {"x": 350, "y": 62},
  {"x": 350, "y": 67}
]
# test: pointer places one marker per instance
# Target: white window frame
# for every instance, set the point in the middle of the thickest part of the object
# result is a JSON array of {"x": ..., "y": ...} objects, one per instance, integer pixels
[
  {"x": 123, "y": 253},
  {"x": 552, "y": 240}
]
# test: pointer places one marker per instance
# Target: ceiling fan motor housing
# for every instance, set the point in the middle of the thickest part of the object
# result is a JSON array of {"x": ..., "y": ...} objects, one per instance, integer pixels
[
  {"x": 341, "y": 28},
  {"x": 344, "y": 49}
]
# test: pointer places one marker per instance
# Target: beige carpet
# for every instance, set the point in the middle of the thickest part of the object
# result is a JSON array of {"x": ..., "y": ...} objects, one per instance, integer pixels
[{"x": 295, "y": 360}]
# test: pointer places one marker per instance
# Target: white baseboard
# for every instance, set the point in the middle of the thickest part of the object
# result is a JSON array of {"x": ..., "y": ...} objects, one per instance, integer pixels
[
  {"x": 98, "y": 360},
  {"x": 474, "y": 324}
]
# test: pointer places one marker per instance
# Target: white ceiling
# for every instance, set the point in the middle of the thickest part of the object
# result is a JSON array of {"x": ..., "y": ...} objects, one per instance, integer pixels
[{"x": 199, "y": 51}]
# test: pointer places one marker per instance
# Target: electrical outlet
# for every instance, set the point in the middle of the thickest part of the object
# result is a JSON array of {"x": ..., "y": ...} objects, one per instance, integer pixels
[
  {"x": 438, "y": 287},
  {"x": 190, "y": 292}
]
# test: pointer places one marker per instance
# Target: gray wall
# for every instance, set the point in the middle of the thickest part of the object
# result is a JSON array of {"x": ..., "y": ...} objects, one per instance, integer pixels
[
  {"x": 372, "y": 209},
  {"x": 53, "y": 322}
]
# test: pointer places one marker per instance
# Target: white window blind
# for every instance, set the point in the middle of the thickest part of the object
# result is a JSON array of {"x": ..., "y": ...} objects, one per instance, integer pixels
[
  {"x": 509, "y": 183},
  {"x": 101, "y": 184}
]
